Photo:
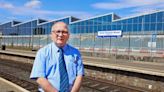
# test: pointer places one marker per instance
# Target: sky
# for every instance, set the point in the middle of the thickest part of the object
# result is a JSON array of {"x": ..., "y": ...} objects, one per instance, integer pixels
[{"x": 24, "y": 10}]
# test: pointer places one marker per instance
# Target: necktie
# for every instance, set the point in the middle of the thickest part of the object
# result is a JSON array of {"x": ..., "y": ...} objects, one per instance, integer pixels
[{"x": 64, "y": 81}]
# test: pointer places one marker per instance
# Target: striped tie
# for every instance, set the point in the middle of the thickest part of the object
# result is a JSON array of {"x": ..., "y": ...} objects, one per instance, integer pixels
[{"x": 64, "y": 81}]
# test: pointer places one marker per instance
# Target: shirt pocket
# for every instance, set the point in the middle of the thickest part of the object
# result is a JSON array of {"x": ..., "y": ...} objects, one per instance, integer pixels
[{"x": 51, "y": 68}]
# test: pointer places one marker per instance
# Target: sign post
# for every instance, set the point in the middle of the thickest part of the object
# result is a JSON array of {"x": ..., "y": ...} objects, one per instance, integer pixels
[{"x": 152, "y": 43}]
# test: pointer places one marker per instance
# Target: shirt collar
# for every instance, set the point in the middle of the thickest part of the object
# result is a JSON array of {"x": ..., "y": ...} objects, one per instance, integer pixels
[{"x": 57, "y": 48}]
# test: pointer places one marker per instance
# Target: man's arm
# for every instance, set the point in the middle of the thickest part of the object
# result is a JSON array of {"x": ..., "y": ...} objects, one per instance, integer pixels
[
  {"x": 77, "y": 83},
  {"x": 45, "y": 84}
]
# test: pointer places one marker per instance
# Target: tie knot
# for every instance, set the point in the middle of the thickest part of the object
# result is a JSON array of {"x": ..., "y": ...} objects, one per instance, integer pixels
[{"x": 61, "y": 50}]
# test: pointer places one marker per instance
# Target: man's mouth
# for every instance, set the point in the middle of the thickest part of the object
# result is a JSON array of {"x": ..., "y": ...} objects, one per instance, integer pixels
[{"x": 60, "y": 39}]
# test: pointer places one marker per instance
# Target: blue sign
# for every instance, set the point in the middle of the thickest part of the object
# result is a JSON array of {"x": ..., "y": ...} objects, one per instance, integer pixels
[{"x": 154, "y": 38}]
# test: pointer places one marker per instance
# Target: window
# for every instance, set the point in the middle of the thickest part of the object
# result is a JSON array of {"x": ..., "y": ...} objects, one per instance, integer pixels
[
  {"x": 160, "y": 16},
  {"x": 147, "y": 18},
  {"x": 153, "y": 17}
]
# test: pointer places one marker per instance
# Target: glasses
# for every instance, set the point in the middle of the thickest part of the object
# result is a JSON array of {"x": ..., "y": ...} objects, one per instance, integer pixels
[{"x": 58, "y": 32}]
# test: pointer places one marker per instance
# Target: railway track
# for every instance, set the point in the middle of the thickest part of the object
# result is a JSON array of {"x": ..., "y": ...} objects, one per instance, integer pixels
[
  {"x": 32, "y": 87},
  {"x": 18, "y": 73},
  {"x": 98, "y": 85}
]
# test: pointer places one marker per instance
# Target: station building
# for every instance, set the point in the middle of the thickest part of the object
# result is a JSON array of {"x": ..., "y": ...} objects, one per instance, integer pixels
[{"x": 143, "y": 32}]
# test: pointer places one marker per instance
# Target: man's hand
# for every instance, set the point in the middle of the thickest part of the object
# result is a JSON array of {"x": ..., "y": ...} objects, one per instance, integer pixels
[
  {"x": 77, "y": 84},
  {"x": 45, "y": 84}
]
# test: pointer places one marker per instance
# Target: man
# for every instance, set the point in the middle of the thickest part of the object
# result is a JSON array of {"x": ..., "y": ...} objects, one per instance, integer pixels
[{"x": 58, "y": 66}]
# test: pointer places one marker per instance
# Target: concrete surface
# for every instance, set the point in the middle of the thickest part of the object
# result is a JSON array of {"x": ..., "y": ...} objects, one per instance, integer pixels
[{"x": 7, "y": 86}]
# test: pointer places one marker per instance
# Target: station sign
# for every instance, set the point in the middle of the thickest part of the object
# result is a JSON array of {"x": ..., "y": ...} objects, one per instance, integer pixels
[
  {"x": 152, "y": 44},
  {"x": 112, "y": 33}
]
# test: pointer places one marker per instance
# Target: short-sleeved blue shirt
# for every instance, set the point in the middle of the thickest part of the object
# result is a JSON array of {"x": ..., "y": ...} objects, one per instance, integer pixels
[{"x": 46, "y": 64}]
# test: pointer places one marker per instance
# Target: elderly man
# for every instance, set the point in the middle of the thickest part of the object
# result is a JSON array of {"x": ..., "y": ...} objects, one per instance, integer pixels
[{"x": 58, "y": 66}]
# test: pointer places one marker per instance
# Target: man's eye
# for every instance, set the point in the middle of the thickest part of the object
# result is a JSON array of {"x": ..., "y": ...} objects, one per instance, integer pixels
[
  {"x": 65, "y": 32},
  {"x": 58, "y": 31}
]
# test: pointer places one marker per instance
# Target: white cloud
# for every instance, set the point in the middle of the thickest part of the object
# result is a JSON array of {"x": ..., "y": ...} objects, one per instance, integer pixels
[
  {"x": 45, "y": 13},
  {"x": 148, "y": 8},
  {"x": 33, "y": 9},
  {"x": 33, "y": 4},
  {"x": 6, "y": 5},
  {"x": 120, "y": 4}
]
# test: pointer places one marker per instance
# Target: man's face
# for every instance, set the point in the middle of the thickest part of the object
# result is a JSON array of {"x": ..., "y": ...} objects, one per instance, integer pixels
[{"x": 60, "y": 34}]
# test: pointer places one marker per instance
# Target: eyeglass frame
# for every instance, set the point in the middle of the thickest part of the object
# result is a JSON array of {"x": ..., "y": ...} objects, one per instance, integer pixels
[{"x": 58, "y": 32}]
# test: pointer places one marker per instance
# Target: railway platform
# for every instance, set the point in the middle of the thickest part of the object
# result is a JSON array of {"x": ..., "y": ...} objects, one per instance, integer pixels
[
  {"x": 7, "y": 86},
  {"x": 117, "y": 71},
  {"x": 150, "y": 68}
]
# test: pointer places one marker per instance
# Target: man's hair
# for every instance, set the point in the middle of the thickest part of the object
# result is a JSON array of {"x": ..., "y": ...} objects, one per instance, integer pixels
[{"x": 54, "y": 23}]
